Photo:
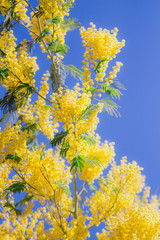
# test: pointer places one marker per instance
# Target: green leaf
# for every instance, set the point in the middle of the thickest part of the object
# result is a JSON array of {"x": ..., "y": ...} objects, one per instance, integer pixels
[
  {"x": 43, "y": 154},
  {"x": 55, "y": 20},
  {"x": 48, "y": 21},
  {"x": 69, "y": 5},
  {"x": 27, "y": 90},
  {"x": 48, "y": 107},
  {"x": 108, "y": 182},
  {"x": 93, "y": 187},
  {"x": 30, "y": 126},
  {"x": 4, "y": 72},
  {"x": 75, "y": 72},
  {"x": 58, "y": 48},
  {"x": 99, "y": 65},
  {"x": 26, "y": 199},
  {"x": 13, "y": 157},
  {"x": 15, "y": 97},
  {"x": 93, "y": 161},
  {"x": 85, "y": 113},
  {"x": 42, "y": 35},
  {"x": 39, "y": 13},
  {"x": 64, "y": 149},
  {"x": 16, "y": 187},
  {"x": 111, "y": 91},
  {"x": 110, "y": 107},
  {"x": 32, "y": 140},
  {"x": 78, "y": 162},
  {"x": 3, "y": 54},
  {"x": 12, "y": 208},
  {"x": 63, "y": 187},
  {"x": 57, "y": 140},
  {"x": 8, "y": 103},
  {"x": 70, "y": 24},
  {"x": 117, "y": 85},
  {"x": 88, "y": 139},
  {"x": 7, "y": 23},
  {"x": 92, "y": 89}
]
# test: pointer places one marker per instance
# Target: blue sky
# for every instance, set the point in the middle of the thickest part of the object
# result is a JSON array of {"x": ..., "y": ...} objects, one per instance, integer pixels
[{"x": 137, "y": 133}]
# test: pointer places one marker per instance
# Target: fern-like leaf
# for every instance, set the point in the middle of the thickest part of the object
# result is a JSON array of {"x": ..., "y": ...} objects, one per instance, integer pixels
[
  {"x": 65, "y": 147},
  {"x": 74, "y": 72},
  {"x": 85, "y": 113},
  {"x": 13, "y": 208},
  {"x": 13, "y": 157},
  {"x": 30, "y": 126},
  {"x": 93, "y": 187},
  {"x": 16, "y": 187},
  {"x": 93, "y": 161},
  {"x": 110, "y": 107},
  {"x": 4, "y": 72},
  {"x": 99, "y": 65},
  {"x": 59, "y": 137},
  {"x": 117, "y": 85},
  {"x": 88, "y": 139},
  {"x": 63, "y": 187},
  {"x": 26, "y": 199},
  {"x": 70, "y": 24},
  {"x": 78, "y": 162},
  {"x": 57, "y": 47},
  {"x": 9, "y": 117}
]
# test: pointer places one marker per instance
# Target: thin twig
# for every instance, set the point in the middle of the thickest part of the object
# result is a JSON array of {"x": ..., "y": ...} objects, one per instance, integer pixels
[
  {"x": 30, "y": 6},
  {"x": 28, "y": 29},
  {"x": 83, "y": 187},
  {"x": 24, "y": 83}
]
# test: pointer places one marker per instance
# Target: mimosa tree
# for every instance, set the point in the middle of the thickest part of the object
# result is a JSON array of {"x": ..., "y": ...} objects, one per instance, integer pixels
[{"x": 52, "y": 161}]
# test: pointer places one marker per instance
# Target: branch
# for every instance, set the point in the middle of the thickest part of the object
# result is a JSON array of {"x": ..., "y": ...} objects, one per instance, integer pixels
[
  {"x": 23, "y": 83},
  {"x": 49, "y": 53},
  {"x": 75, "y": 195},
  {"x": 23, "y": 179},
  {"x": 116, "y": 198},
  {"x": 28, "y": 29},
  {"x": 83, "y": 187},
  {"x": 30, "y": 6}
]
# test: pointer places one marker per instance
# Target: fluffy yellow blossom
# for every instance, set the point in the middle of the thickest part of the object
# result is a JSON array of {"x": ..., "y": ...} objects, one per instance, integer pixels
[
  {"x": 21, "y": 66},
  {"x": 117, "y": 191},
  {"x": 101, "y": 47},
  {"x": 51, "y": 10},
  {"x": 20, "y": 10},
  {"x": 133, "y": 223}
]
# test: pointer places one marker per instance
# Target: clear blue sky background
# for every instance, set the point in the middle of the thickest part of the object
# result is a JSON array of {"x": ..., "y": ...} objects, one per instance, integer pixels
[{"x": 137, "y": 133}]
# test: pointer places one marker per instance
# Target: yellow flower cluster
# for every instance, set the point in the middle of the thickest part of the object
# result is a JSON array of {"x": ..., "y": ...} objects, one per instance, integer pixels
[
  {"x": 68, "y": 106},
  {"x": 22, "y": 67},
  {"x": 113, "y": 74},
  {"x": 101, "y": 47},
  {"x": 133, "y": 223},
  {"x": 78, "y": 228},
  {"x": 117, "y": 192},
  {"x": 20, "y": 10},
  {"x": 51, "y": 10},
  {"x": 101, "y": 154},
  {"x": 12, "y": 140},
  {"x": 56, "y": 7}
]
